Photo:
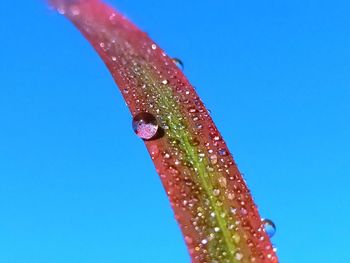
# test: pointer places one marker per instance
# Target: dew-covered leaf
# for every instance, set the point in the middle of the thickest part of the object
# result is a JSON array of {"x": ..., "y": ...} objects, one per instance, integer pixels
[{"x": 210, "y": 199}]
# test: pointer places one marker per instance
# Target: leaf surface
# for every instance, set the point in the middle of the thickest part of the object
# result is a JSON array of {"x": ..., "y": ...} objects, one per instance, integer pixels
[{"x": 210, "y": 199}]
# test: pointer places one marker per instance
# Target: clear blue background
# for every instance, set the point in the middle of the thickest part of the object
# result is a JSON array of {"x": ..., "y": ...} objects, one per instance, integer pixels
[{"x": 77, "y": 186}]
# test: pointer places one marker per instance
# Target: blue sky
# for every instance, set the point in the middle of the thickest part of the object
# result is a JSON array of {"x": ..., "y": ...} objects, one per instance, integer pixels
[{"x": 76, "y": 184}]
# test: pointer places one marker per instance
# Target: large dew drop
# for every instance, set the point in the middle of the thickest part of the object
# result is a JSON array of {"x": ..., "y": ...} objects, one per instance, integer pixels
[
  {"x": 269, "y": 226},
  {"x": 145, "y": 125}
]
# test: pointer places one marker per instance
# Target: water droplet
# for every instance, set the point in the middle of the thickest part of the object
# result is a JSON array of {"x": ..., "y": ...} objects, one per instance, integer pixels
[
  {"x": 238, "y": 256},
  {"x": 236, "y": 238},
  {"x": 222, "y": 152},
  {"x": 216, "y": 192},
  {"x": 75, "y": 11},
  {"x": 199, "y": 126},
  {"x": 231, "y": 196},
  {"x": 194, "y": 142},
  {"x": 145, "y": 125},
  {"x": 164, "y": 81},
  {"x": 172, "y": 170},
  {"x": 222, "y": 182},
  {"x": 154, "y": 46},
  {"x": 166, "y": 155},
  {"x": 204, "y": 241},
  {"x": 215, "y": 135},
  {"x": 243, "y": 211},
  {"x": 202, "y": 155},
  {"x": 112, "y": 16},
  {"x": 61, "y": 10},
  {"x": 269, "y": 227},
  {"x": 210, "y": 169},
  {"x": 213, "y": 159},
  {"x": 154, "y": 151},
  {"x": 178, "y": 63},
  {"x": 192, "y": 109}
]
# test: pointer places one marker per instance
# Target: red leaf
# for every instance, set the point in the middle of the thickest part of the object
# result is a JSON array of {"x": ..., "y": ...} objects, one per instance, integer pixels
[{"x": 210, "y": 199}]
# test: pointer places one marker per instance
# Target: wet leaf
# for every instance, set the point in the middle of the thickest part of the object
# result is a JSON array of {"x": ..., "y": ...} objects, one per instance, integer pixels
[{"x": 210, "y": 199}]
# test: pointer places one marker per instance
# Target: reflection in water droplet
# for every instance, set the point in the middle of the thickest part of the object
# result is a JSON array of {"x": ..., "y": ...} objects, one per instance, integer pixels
[
  {"x": 178, "y": 63},
  {"x": 145, "y": 125},
  {"x": 269, "y": 227}
]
